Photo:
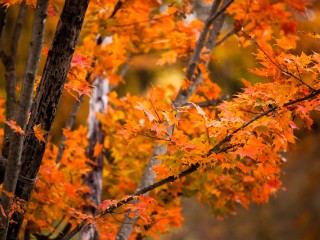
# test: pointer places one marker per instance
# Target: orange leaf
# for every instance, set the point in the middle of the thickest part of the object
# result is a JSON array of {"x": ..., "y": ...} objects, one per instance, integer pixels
[
  {"x": 106, "y": 203},
  {"x": 98, "y": 148},
  {"x": 147, "y": 112},
  {"x": 39, "y": 133},
  {"x": 13, "y": 125}
]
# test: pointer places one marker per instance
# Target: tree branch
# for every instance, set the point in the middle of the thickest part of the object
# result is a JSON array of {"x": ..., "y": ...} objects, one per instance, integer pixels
[
  {"x": 285, "y": 72},
  {"x": 182, "y": 97},
  {"x": 14, "y": 158},
  {"x": 11, "y": 78},
  {"x": 270, "y": 110},
  {"x": 217, "y": 149},
  {"x": 3, "y": 15},
  {"x": 47, "y": 98},
  {"x": 208, "y": 103},
  {"x": 17, "y": 31},
  {"x": 225, "y": 37}
]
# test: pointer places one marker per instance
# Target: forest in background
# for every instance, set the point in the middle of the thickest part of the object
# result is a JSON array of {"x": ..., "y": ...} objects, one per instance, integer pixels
[{"x": 300, "y": 174}]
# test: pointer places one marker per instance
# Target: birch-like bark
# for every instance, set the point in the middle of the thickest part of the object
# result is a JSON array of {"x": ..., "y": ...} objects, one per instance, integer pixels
[
  {"x": 14, "y": 158},
  {"x": 149, "y": 176},
  {"x": 98, "y": 104},
  {"x": 11, "y": 78},
  {"x": 47, "y": 98}
]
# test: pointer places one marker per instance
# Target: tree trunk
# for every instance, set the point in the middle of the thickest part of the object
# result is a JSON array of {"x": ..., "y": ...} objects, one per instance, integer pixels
[
  {"x": 14, "y": 159},
  {"x": 48, "y": 95},
  {"x": 11, "y": 78},
  {"x": 98, "y": 104}
]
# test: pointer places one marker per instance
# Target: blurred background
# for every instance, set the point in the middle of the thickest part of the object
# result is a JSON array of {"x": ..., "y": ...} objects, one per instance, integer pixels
[{"x": 293, "y": 213}]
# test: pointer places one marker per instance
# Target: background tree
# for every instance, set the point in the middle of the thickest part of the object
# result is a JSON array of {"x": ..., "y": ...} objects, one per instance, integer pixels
[{"x": 226, "y": 154}]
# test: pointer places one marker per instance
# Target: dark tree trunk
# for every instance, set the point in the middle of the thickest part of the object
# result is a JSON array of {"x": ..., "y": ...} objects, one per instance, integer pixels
[{"x": 45, "y": 104}]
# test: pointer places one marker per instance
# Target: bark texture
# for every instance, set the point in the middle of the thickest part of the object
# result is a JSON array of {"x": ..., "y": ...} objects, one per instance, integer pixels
[
  {"x": 47, "y": 98},
  {"x": 10, "y": 77},
  {"x": 98, "y": 104},
  {"x": 14, "y": 158},
  {"x": 3, "y": 14}
]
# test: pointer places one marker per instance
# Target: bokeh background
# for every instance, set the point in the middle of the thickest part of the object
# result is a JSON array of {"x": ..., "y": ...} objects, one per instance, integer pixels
[{"x": 294, "y": 212}]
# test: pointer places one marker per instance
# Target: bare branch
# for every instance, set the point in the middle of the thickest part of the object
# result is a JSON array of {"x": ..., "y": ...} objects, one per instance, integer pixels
[
  {"x": 225, "y": 37},
  {"x": 17, "y": 31}
]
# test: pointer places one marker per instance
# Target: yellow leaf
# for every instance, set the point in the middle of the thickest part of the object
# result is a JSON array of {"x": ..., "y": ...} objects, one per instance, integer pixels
[{"x": 39, "y": 133}]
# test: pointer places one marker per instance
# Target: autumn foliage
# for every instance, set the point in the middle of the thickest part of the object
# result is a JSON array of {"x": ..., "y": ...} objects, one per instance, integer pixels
[{"x": 225, "y": 150}]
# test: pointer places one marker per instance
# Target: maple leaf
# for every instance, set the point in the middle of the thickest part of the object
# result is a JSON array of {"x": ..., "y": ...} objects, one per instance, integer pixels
[
  {"x": 146, "y": 111},
  {"x": 39, "y": 133},
  {"x": 286, "y": 43},
  {"x": 106, "y": 203},
  {"x": 81, "y": 61}
]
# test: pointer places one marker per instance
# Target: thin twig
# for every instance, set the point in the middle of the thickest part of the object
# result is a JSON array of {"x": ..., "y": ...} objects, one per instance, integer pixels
[
  {"x": 208, "y": 103},
  {"x": 143, "y": 21},
  {"x": 270, "y": 110},
  {"x": 190, "y": 170},
  {"x": 225, "y": 37},
  {"x": 204, "y": 40},
  {"x": 286, "y": 72},
  {"x": 17, "y": 31}
]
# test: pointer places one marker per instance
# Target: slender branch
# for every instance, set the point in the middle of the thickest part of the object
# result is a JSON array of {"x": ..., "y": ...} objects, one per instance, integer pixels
[
  {"x": 221, "y": 10},
  {"x": 11, "y": 78},
  {"x": 143, "y": 21},
  {"x": 225, "y": 37},
  {"x": 45, "y": 103},
  {"x": 149, "y": 175},
  {"x": 208, "y": 103},
  {"x": 3, "y": 15},
  {"x": 56, "y": 226},
  {"x": 14, "y": 158},
  {"x": 192, "y": 65},
  {"x": 116, "y": 8},
  {"x": 190, "y": 170},
  {"x": 286, "y": 72},
  {"x": 265, "y": 113},
  {"x": 17, "y": 31}
]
